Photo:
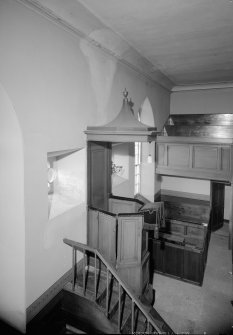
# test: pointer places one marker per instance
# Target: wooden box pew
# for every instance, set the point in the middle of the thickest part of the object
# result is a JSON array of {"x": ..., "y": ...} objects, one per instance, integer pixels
[{"x": 181, "y": 250}]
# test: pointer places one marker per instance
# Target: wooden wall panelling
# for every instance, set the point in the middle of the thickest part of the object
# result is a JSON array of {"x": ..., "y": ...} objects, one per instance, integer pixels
[
  {"x": 123, "y": 205},
  {"x": 173, "y": 255},
  {"x": 197, "y": 131},
  {"x": 101, "y": 233},
  {"x": 129, "y": 239},
  {"x": 107, "y": 236},
  {"x": 201, "y": 119},
  {"x": 136, "y": 276},
  {"x": 99, "y": 174},
  {"x": 186, "y": 209},
  {"x": 92, "y": 228},
  {"x": 133, "y": 261},
  {"x": 195, "y": 160},
  {"x": 193, "y": 267}
]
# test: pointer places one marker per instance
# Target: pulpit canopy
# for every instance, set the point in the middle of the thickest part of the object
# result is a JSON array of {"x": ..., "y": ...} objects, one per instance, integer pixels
[{"x": 124, "y": 128}]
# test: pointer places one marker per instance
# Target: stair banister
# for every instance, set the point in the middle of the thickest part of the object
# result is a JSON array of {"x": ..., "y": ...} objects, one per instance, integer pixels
[{"x": 135, "y": 301}]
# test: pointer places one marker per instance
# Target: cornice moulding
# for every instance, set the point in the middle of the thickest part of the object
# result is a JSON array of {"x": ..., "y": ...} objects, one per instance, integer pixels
[
  {"x": 84, "y": 28},
  {"x": 202, "y": 87}
]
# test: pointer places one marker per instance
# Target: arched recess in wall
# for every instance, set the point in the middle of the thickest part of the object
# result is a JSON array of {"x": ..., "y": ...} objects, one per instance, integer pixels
[
  {"x": 12, "y": 217},
  {"x": 144, "y": 168}
]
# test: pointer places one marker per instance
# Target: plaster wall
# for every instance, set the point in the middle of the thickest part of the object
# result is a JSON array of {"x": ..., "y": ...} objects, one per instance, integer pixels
[
  {"x": 59, "y": 84},
  {"x": 202, "y": 101},
  {"x": 12, "y": 217},
  {"x": 123, "y": 181}
]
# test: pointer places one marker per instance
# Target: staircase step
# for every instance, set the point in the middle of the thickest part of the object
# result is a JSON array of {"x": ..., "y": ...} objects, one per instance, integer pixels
[
  {"x": 73, "y": 330},
  {"x": 101, "y": 280},
  {"x": 125, "y": 312},
  {"x": 112, "y": 298},
  {"x": 113, "y": 305},
  {"x": 85, "y": 314}
]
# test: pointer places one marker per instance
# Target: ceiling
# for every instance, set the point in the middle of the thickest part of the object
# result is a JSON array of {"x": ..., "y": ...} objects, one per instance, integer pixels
[{"x": 189, "y": 41}]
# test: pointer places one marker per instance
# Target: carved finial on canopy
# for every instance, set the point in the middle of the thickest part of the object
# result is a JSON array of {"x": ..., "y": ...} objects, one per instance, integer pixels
[{"x": 125, "y": 94}]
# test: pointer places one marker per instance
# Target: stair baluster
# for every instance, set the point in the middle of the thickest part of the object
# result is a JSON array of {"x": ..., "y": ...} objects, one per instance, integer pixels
[
  {"x": 107, "y": 294},
  {"x": 132, "y": 317},
  {"x": 153, "y": 324},
  {"x": 119, "y": 308},
  {"x": 148, "y": 327},
  {"x": 95, "y": 288},
  {"x": 84, "y": 271},
  {"x": 73, "y": 267}
]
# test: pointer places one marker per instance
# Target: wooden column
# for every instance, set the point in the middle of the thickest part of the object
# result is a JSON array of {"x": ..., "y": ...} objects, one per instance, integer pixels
[
  {"x": 231, "y": 218},
  {"x": 217, "y": 194}
]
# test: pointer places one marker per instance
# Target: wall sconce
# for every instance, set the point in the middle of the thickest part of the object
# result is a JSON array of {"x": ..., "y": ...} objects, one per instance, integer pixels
[
  {"x": 149, "y": 158},
  {"x": 116, "y": 169}
]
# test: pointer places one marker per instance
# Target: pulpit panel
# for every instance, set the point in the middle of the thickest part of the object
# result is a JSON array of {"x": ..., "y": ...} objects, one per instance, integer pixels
[
  {"x": 129, "y": 239},
  {"x": 107, "y": 236}
]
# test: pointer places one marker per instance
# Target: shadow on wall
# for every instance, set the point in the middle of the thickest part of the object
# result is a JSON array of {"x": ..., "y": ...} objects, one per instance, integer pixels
[
  {"x": 102, "y": 69},
  {"x": 66, "y": 182},
  {"x": 66, "y": 197}
]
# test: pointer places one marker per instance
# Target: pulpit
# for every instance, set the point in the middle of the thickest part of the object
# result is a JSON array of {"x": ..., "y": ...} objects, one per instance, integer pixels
[{"x": 115, "y": 225}]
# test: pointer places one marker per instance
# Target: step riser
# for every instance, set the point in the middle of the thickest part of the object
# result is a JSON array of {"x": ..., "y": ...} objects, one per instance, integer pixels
[{"x": 87, "y": 314}]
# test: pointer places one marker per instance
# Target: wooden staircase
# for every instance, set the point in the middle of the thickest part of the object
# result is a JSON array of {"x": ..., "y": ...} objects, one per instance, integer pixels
[{"x": 101, "y": 302}]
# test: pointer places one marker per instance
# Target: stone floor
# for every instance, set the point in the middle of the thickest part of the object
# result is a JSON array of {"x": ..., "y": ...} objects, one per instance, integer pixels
[{"x": 191, "y": 309}]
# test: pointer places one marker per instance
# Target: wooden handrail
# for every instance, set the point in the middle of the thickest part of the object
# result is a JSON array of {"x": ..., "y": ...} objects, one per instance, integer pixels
[{"x": 83, "y": 247}]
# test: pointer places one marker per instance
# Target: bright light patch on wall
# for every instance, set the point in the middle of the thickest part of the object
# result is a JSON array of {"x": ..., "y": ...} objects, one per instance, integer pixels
[{"x": 66, "y": 185}]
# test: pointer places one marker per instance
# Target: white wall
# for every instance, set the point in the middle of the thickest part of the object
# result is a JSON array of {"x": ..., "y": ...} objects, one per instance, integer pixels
[
  {"x": 205, "y": 101},
  {"x": 58, "y": 84},
  {"x": 186, "y": 185},
  {"x": 150, "y": 184},
  {"x": 123, "y": 182},
  {"x": 12, "y": 218}
]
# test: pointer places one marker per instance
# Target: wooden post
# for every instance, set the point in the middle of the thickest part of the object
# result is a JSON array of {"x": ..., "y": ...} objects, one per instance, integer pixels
[
  {"x": 73, "y": 267},
  {"x": 231, "y": 218},
  {"x": 230, "y": 244},
  {"x": 132, "y": 317},
  {"x": 84, "y": 272},
  {"x": 95, "y": 290},
  {"x": 107, "y": 295},
  {"x": 119, "y": 309}
]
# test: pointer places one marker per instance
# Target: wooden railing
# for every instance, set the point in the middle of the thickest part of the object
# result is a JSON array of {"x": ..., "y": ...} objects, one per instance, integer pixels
[{"x": 122, "y": 286}]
